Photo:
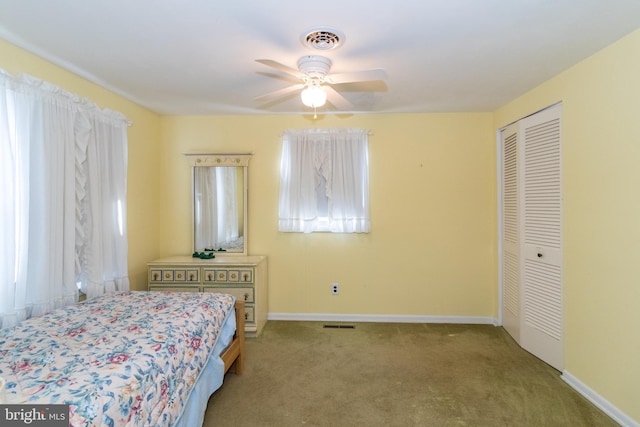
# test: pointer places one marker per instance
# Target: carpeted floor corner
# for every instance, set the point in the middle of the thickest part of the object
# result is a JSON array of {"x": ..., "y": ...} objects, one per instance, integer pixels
[{"x": 380, "y": 374}]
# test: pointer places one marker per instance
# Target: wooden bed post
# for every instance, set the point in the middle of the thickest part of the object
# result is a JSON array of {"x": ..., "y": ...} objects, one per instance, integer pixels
[
  {"x": 233, "y": 356},
  {"x": 239, "y": 362}
]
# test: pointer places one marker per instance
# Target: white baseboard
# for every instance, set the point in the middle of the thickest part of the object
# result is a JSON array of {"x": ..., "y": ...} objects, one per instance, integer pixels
[
  {"x": 382, "y": 318},
  {"x": 616, "y": 414}
]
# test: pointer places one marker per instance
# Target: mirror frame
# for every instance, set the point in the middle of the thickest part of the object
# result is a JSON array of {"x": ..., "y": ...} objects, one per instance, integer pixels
[{"x": 226, "y": 160}]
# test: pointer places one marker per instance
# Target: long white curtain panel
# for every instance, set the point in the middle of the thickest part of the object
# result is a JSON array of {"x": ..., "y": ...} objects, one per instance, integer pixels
[{"x": 63, "y": 168}]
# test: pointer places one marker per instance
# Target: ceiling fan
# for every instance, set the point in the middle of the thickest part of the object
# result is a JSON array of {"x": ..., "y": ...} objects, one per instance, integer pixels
[{"x": 316, "y": 81}]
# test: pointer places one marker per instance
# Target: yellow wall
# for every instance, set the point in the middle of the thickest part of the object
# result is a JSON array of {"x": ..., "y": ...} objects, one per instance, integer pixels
[
  {"x": 142, "y": 189},
  {"x": 601, "y": 172},
  {"x": 432, "y": 248}
]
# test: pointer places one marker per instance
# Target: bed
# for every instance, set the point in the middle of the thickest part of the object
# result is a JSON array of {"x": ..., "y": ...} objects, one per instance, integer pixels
[{"x": 127, "y": 359}]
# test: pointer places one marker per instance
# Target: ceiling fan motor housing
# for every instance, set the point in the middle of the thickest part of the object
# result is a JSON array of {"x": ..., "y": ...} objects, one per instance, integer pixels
[{"x": 314, "y": 66}]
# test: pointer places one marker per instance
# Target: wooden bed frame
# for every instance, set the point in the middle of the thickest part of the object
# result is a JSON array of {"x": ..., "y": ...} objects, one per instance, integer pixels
[{"x": 233, "y": 356}]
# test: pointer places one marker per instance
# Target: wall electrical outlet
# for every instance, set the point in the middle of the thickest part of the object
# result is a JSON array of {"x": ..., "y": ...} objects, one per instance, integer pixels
[{"x": 335, "y": 288}]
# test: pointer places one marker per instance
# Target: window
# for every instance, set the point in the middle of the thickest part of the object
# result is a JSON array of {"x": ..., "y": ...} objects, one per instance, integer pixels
[{"x": 324, "y": 181}]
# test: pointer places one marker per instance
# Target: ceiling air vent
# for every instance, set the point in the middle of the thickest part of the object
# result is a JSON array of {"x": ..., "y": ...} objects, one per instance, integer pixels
[{"x": 322, "y": 38}]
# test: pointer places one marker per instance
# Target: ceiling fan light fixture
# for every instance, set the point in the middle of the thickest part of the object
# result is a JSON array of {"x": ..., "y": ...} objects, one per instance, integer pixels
[{"x": 313, "y": 96}]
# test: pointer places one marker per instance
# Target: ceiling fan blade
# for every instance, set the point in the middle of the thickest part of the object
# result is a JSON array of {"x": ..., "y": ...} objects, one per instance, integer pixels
[
  {"x": 338, "y": 101},
  {"x": 280, "y": 67},
  {"x": 280, "y": 92},
  {"x": 357, "y": 76}
]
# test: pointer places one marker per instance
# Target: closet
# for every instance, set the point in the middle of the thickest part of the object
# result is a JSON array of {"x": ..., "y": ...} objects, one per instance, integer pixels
[{"x": 531, "y": 234}]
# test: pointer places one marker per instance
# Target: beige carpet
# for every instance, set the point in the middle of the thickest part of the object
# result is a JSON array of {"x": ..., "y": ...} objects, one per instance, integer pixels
[{"x": 301, "y": 374}]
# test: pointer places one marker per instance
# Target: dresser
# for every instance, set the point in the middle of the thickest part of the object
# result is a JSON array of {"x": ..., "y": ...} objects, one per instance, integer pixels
[{"x": 244, "y": 277}]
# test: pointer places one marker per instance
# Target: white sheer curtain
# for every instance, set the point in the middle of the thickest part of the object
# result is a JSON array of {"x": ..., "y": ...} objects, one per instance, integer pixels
[
  {"x": 57, "y": 151},
  {"x": 324, "y": 181}
]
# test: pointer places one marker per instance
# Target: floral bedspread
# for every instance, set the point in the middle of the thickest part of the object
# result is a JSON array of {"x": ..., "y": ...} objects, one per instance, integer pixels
[{"x": 127, "y": 359}]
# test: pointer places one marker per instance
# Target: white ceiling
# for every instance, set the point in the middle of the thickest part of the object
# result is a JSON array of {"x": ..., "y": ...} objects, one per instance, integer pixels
[{"x": 198, "y": 56}]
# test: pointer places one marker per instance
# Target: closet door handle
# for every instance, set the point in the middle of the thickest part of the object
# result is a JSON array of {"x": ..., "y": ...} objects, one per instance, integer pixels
[{"x": 539, "y": 255}]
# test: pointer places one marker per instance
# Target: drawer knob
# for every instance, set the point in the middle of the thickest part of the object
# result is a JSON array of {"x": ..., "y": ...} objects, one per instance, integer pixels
[{"x": 246, "y": 296}]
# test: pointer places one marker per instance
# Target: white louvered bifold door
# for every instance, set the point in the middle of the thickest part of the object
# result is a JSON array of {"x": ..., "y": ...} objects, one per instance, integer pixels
[
  {"x": 510, "y": 232},
  {"x": 541, "y": 267}
]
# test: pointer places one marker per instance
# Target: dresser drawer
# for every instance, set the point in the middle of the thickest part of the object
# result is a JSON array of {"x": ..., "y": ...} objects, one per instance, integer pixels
[
  {"x": 228, "y": 275},
  {"x": 241, "y": 293},
  {"x": 174, "y": 275},
  {"x": 249, "y": 314}
]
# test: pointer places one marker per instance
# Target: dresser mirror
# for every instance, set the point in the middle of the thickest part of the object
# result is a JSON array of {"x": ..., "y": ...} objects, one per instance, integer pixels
[{"x": 220, "y": 202}]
